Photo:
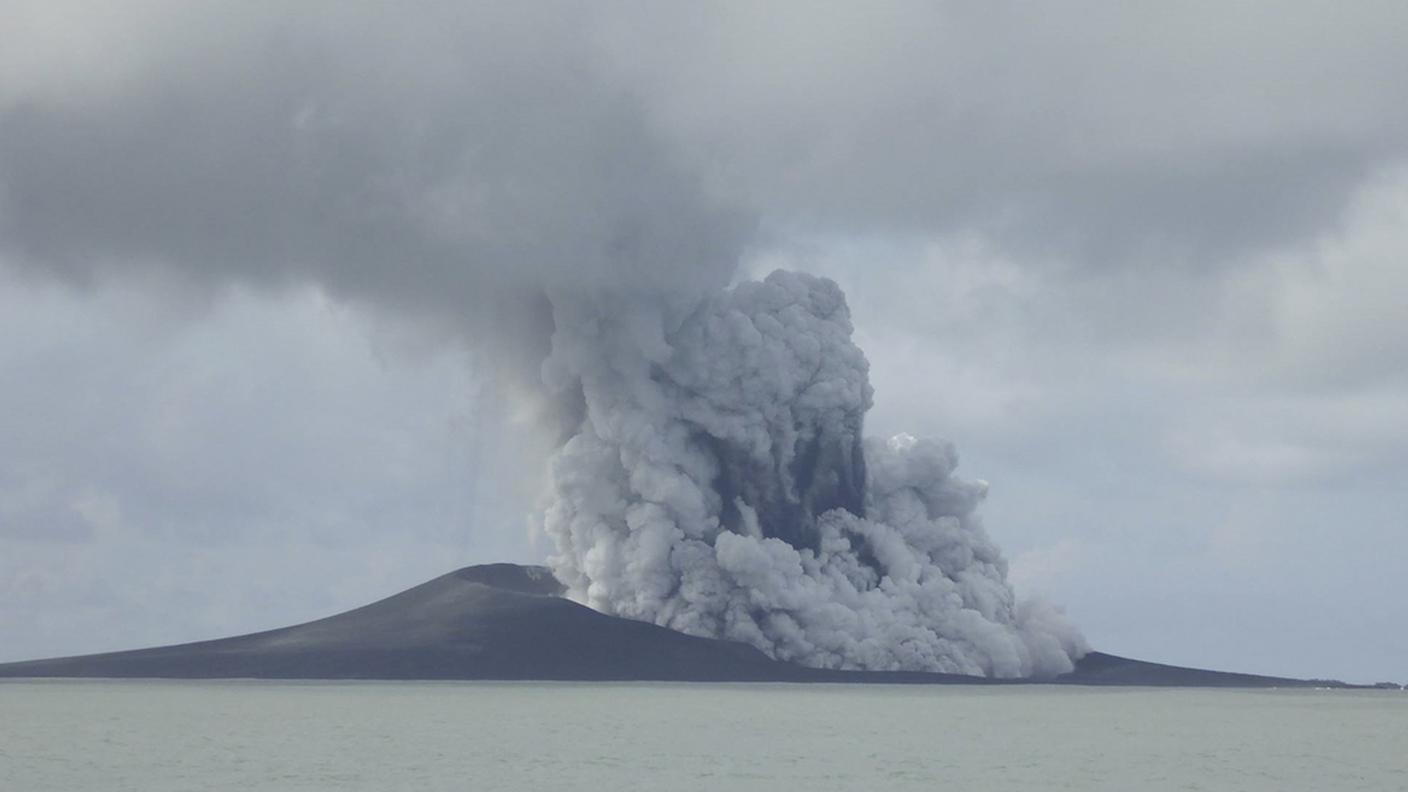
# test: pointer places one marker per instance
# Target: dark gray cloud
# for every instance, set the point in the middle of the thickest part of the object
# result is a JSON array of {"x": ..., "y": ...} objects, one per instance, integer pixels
[
  {"x": 1103, "y": 133},
  {"x": 442, "y": 162},
  {"x": 423, "y": 154}
]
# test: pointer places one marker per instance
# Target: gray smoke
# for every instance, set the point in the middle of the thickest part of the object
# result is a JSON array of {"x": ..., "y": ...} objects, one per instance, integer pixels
[
  {"x": 719, "y": 485},
  {"x": 514, "y": 172},
  {"x": 444, "y": 164}
]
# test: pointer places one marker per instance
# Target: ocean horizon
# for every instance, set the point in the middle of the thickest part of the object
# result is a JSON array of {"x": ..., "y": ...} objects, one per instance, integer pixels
[{"x": 248, "y": 735}]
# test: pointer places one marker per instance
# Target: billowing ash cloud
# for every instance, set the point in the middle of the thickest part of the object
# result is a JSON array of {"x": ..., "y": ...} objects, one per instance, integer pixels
[
  {"x": 719, "y": 485},
  {"x": 518, "y": 173}
]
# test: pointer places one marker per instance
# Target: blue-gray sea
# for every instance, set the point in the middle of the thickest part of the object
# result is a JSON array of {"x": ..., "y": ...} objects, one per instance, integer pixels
[{"x": 156, "y": 736}]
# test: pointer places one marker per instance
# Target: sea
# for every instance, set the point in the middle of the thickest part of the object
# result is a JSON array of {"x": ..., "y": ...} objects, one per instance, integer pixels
[{"x": 246, "y": 736}]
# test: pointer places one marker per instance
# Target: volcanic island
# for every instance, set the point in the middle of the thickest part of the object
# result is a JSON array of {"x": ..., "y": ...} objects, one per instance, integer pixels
[{"x": 511, "y": 622}]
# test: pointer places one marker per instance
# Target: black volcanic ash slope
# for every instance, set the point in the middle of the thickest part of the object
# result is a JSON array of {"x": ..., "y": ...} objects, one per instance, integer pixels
[
  {"x": 498, "y": 621},
  {"x": 508, "y": 622}
]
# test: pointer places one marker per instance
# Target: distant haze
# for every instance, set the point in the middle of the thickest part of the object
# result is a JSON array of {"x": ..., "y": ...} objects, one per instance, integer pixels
[{"x": 277, "y": 285}]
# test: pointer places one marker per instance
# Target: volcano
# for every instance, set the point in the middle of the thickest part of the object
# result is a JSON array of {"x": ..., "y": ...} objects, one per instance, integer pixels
[{"x": 510, "y": 622}]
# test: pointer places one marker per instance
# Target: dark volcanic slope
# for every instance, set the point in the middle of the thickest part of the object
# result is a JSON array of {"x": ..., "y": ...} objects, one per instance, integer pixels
[
  {"x": 1098, "y": 668},
  {"x": 498, "y": 621},
  {"x": 503, "y": 621}
]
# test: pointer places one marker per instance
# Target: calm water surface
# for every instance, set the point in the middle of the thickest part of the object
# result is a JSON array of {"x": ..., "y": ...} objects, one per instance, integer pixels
[{"x": 160, "y": 736}]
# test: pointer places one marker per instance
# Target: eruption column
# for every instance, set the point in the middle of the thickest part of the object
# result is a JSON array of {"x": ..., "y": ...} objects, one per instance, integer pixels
[{"x": 718, "y": 483}]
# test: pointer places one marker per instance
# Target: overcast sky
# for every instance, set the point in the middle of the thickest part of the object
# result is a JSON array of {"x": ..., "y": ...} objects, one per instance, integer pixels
[{"x": 1145, "y": 266}]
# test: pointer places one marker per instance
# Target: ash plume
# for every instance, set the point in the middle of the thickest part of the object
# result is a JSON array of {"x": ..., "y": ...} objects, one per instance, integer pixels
[
  {"x": 496, "y": 172},
  {"x": 719, "y": 484}
]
